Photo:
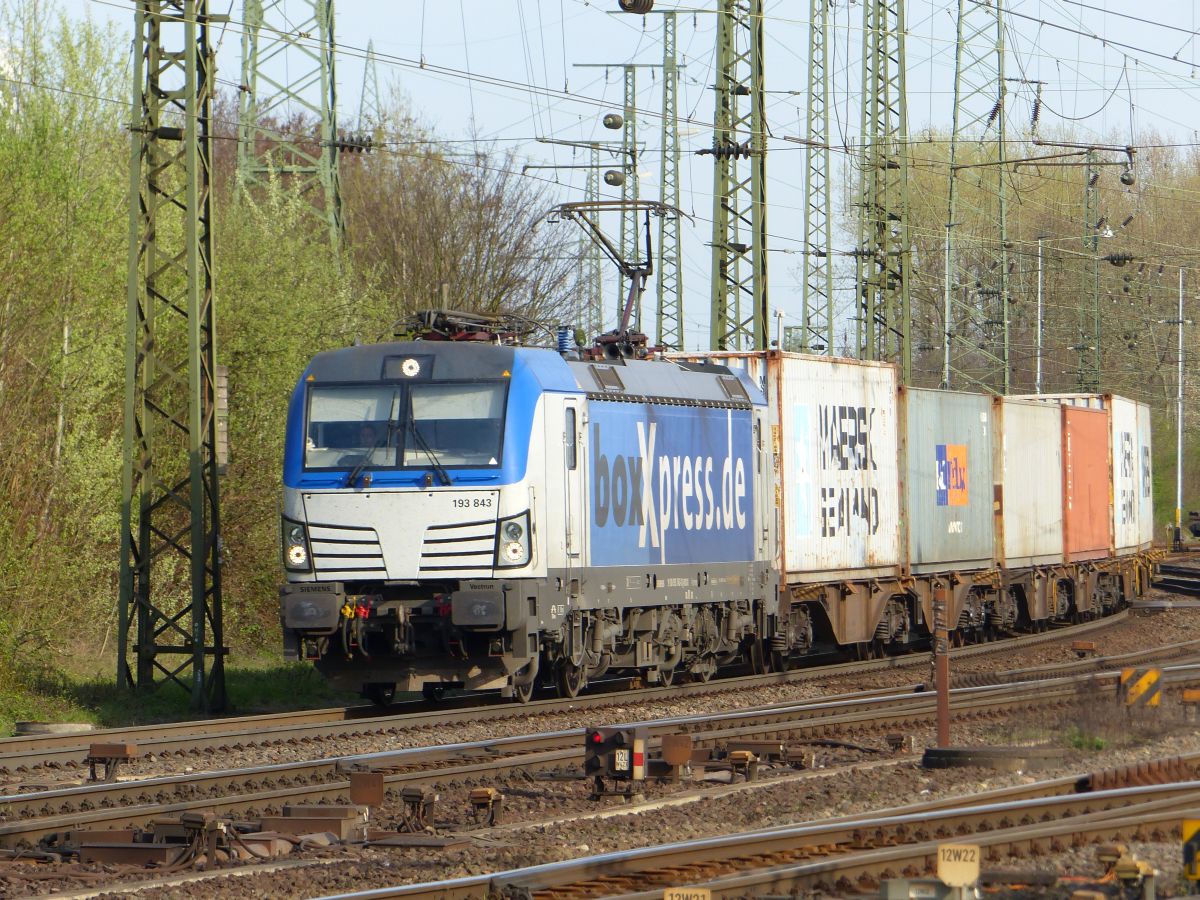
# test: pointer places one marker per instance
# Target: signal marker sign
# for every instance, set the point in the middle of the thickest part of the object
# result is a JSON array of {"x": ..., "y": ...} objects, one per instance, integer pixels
[
  {"x": 1141, "y": 687},
  {"x": 1190, "y": 832},
  {"x": 958, "y": 864}
]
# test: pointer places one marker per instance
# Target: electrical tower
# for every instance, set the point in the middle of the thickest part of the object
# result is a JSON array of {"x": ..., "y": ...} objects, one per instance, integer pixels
[
  {"x": 1088, "y": 348},
  {"x": 739, "y": 242},
  {"x": 288, "y": 110},
  {"x": 816, "y": 327},
  {"x": 670, "y": 270},
  {"x": 370, "y": 104},
  {"x": 630, "y": 189},
  {"x": 630, "y": 241},
  {"x": 592, "y": 286},
  {"x": 170, "y": 523},
  {"x": 883, "y": 255},
  {"x": 975, "y": 348}
]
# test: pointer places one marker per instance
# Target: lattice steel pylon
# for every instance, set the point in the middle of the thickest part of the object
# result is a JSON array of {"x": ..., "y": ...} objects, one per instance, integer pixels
[
  {"x": 975, "y": 347},
  {"x": 817, "y": 314},
  {"x": 670, "y": 270},
  {"x": 288, "y": 112},
  {"x": 630, "y": 188},
  {"x": 170, "y": 522},
  {"x": 592, "y": 274},
  {"x": 1088, "y": 354},
  {"x": 884, "y": 252},
  {"x": 370, "y": 102},
  {"x": 739, "y": 314}
]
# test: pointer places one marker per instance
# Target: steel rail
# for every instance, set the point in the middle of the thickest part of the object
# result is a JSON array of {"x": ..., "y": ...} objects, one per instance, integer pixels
[
  {"x": 825, "y": 850},
  {"x": 30, "y": 816},
  {"x": 28, "y": 752}
]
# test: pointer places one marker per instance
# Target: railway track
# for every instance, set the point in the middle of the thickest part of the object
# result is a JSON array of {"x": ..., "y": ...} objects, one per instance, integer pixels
[
  {"x": 29, "y": 817},
  {"x": 27, "y": 754},
  {"x": 853, "y": 852}
]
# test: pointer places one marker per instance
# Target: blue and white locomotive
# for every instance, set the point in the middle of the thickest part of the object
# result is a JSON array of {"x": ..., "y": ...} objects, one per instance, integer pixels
[{"x": 481, "y": 515}]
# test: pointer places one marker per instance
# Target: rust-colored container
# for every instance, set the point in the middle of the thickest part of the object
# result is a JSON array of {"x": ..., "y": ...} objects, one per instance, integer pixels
[{"x": 1087, "y": 484}]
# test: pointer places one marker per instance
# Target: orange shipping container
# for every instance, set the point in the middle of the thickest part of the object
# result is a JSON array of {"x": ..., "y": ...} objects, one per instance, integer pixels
[{"x": 1087, "y": 513}]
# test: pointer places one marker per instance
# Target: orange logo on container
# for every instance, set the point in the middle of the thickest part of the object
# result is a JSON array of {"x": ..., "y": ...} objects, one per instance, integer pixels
[{"x": 951, "y": 474}]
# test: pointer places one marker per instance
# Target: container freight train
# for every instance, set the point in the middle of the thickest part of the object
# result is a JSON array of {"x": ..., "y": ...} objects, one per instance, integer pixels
[{"x": 478, "y": 515}]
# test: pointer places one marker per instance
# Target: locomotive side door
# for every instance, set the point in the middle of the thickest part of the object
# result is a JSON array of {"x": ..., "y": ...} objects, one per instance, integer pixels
[{"x": 573, "y": 463}]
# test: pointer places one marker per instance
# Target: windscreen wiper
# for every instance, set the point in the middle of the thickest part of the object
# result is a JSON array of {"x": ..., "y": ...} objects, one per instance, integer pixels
[
  {"x": 433, "y": 460},
  {"x": 366, "y": 458}
]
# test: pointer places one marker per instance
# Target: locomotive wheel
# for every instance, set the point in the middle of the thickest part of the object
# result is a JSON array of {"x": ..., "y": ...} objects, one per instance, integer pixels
[
  {"x": 433, "y": 692},
  {"x": 571, "y": 680},
  {"x": 704, "y": 671},
  {"x": 666, "y": 677},
  {"x": 780, "y": 661},
  {"x": 523, "y": 692},
  {"x": 381, "y": 694}
]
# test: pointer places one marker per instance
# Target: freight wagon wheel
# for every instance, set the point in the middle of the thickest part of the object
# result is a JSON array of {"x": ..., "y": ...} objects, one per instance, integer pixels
[
  {"x": 571, "y": 679},
  {"x": 704, "y": 671},
  {"x": 758, "y": 657}
]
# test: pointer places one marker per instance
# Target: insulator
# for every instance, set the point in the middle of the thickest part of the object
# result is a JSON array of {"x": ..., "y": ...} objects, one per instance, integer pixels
[
  {"x": 1037, "y": 112},
  {"x": 613, "y": 121},
  {"x": 992, "y": 115}
]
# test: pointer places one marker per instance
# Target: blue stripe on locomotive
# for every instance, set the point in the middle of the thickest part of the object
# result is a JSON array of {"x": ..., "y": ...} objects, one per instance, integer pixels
[
  {"x": 534, "y": 372},
  {"x": 670, "y": 484}
]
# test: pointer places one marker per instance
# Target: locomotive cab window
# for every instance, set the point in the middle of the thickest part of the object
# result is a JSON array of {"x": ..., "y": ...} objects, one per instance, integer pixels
[
  {"x": 416, "y": 425},
  {"x": 349, "y": 425},
  {"x": 460, "y": 424},
  {"x": 572, "y": 438}
]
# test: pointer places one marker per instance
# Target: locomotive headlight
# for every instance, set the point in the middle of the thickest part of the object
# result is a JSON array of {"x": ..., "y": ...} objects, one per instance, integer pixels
[
  {"x": 295, "y": 547},
  {"x": 512, "y": 542}
]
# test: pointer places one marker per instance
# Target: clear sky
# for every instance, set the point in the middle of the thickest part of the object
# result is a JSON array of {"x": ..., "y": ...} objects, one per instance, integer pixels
[{"x": 1109, "y": 68}]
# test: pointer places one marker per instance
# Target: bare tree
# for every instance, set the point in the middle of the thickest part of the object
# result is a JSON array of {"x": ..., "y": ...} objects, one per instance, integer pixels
[{"x": 418, "y": 220}]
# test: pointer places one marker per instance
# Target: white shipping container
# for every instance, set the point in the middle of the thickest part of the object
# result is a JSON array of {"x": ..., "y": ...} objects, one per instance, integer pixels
[
  {"x": 1145, "y": 484},
  {"x": 1126, "y": 483},
  {"x": 839, "y": 466},
  {"x": 1029, "y": 470},
  {"x": 834, "y": 425}
]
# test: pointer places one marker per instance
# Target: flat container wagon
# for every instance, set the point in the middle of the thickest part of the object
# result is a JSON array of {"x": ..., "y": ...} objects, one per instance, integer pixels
[
  {"x": 1028, "y": 465},
  {"x": 1086, "y": 483},
  {"x": 947, "y": 485}
]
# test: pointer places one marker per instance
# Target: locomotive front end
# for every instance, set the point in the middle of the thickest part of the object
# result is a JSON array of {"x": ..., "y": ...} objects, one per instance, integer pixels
[{"x": 408, "y": 518}]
